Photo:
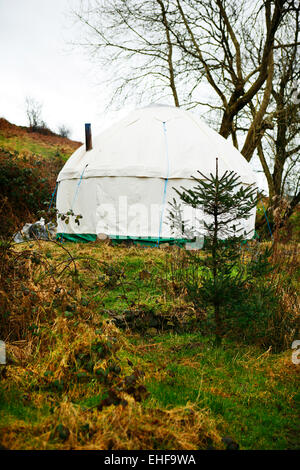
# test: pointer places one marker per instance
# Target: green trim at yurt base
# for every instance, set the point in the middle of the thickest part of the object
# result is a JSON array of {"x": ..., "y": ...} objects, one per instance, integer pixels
[
  {"x": 147, "y": 241},
  {"x": 76, "y": 237},
  {"x": 117, "y": 239}
]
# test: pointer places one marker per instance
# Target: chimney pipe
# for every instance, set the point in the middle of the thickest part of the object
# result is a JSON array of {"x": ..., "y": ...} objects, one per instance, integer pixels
[{"x": 88, "y": 137}]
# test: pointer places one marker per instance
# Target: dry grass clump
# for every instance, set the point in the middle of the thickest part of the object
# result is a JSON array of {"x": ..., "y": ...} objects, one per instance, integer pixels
[
  {"x": 73, "y": 346},
  {"x": 70, "y": 360},
  {"x": 67, "y": 372},
  {"x": 117, "y": 427},
  {"x": 35, "y": 287}
]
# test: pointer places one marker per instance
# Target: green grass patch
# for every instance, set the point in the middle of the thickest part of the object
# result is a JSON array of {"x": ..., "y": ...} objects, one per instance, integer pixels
[
  {"x": 14, "y": 406},
  {"x": 25, "y": 144},
  {"x": 258, "y": 412}
]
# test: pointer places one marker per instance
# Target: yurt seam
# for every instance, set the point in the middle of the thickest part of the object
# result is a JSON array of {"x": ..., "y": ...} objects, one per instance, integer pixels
[{"x": 166, "y": 183}]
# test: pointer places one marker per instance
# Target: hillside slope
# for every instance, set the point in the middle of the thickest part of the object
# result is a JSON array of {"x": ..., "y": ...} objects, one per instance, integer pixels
[
  {"x": 22, "y": 139},
  {"x": 29, "y": 164}
]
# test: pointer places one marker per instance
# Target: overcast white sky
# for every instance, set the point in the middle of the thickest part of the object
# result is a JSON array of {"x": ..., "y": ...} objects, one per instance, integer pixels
[{"x": 37, "y": 60}]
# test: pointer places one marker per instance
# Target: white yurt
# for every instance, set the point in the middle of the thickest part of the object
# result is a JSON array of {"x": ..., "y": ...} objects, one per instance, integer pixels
[{"x": 122, "y": 186}]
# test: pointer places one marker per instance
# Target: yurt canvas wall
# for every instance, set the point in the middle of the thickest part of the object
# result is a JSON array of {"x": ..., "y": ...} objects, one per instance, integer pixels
[{"x": 123, "y": 185}]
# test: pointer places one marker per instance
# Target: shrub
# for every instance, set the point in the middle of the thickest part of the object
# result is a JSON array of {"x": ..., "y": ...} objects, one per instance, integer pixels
[
  {"x": 64, "y": 131},
  {"x": 226, "y": 202},
  {"x": 247, "y": 289},
  {"x": 267, "y": 316},
  {"x": 26, "y": 183}
]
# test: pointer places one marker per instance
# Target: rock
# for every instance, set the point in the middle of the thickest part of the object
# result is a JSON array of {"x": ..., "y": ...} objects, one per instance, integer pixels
[{"x": 102, "y": 236}]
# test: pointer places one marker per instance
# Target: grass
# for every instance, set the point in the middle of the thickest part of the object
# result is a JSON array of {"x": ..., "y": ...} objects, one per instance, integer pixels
[
  {"x": 20, "y": 139},
  {"x": 13, "y": 406},
  {"x": 234, "y": 383},
  {"x": 25, "y": 144},
  {"x": 196, "y": 393}
]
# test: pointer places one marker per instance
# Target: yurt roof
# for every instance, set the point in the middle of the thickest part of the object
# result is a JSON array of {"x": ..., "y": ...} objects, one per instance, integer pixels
[{"x": 157, "y": 141}]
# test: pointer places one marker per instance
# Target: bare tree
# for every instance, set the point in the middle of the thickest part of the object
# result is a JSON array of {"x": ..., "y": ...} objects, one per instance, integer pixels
[
  {"x": 279, "y": 148},
  {"x": 132, "y": 41},
  {"x": 33, "y": 112},
  {"x": 64, "y": 131},
  {"x": 170, "y": 49}
]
